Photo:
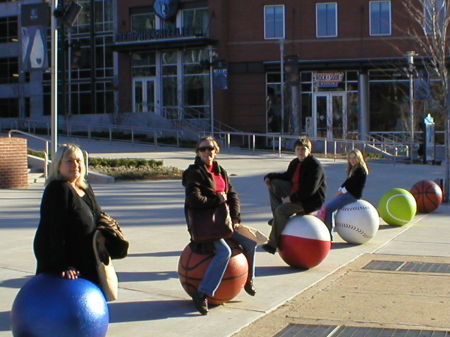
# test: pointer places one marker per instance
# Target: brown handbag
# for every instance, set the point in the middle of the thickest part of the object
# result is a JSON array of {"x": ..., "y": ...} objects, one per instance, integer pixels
[
  {"x": 116, "y": 243},
  {"x": 209, "y": 224}
]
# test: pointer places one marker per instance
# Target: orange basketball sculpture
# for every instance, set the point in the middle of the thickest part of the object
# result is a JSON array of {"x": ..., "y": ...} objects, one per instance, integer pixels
[
  {"x": 192, "y": 266},
  {"x": 428, "y": 195}
]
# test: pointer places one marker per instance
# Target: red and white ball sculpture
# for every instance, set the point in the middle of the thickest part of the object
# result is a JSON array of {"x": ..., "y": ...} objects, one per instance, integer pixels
[{"x": 305, "y": 242}]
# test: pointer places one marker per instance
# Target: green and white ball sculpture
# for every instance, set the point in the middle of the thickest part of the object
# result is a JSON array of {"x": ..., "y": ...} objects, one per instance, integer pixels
[{"x": 397, "y": 207}]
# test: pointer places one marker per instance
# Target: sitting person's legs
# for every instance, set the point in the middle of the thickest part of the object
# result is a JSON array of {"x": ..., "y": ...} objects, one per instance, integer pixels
[
  {"x": 280, "y": 218},
  {"x": 335, "y": 204},
  {"x": 278, "y": 189},
  {"x": 216, "y": 268},
  {"x": 249, "y": 247}
]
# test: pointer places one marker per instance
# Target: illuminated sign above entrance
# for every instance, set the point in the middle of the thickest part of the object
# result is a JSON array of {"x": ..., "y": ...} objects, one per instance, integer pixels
[{"x": 328, "y": 79}]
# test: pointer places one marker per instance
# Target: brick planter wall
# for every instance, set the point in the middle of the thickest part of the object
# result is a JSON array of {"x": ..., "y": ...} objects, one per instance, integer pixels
[{"x": 13, "y": 163}]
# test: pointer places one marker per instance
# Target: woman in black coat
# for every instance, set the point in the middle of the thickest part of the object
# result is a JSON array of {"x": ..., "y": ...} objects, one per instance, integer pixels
[
  {"x": 350, "y": 190},
  {"x": 207, "y": 186},
  {"x": 69, "y": 211}
]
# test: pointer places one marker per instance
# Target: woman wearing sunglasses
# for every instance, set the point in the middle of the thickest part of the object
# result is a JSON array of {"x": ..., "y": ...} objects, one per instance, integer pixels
[{"x": 207, "y": 186}]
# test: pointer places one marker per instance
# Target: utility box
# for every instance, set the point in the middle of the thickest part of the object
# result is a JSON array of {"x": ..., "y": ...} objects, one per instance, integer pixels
[{"x": 13, "y": 163}]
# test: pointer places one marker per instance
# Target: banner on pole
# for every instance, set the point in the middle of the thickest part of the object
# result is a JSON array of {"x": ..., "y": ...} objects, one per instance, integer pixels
[{"x": 34, "y": 22}]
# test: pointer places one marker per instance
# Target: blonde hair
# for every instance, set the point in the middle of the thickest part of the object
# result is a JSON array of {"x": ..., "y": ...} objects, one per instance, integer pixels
[
  {"x": 360, "y": 162},
  {"x": 63, "y": 151},
  {"x": 209, "y": 139}
]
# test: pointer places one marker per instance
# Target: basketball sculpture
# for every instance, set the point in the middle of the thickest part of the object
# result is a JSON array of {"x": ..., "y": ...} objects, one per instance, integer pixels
[
  {"x": 397, "y": 207},
  {"x": 357, "y": 222},
  {"x": 192, "y": 266},
  {"x": 428, "y": 195},
  {"x": 49, "y": 306},
  {"x": 305, "y": 242}
]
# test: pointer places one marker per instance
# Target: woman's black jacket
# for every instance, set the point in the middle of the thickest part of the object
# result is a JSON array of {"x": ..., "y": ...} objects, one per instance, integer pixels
[
  {"x": 200, "y": 189},
  {"x": 355, "y": 183}
]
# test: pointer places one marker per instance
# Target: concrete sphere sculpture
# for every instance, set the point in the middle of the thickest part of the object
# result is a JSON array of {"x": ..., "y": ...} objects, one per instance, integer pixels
[
  {"x": 357, "y": 222},
  {"x": 49, "y": 306},
  {"x": 305, "y": 242},
  {"x": 397, "y": 207},
  {"x": 428, "y": 195},
  {"x": 192, "y": 267}
]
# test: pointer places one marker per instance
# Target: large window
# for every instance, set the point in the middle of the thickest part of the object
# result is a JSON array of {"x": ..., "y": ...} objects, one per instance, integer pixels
[
  {"x": 142, "y": 22},
  {"x": 273, "y": 102},
  {"x": 326, "y": 19},
  {"x": 9, "y": 70},
  {"x": 169, "y": 83},
  {"x": 9, "y": 107},
  {"x": 434, "y": 15},
  {"x": 8, "y": 29},
  {"x": 143, "y": 64},
  {"x": 196, "y": 89},
  {"x": 196, "y": 19},
  {"x": 380, "y": 18},
  {"x": 274, "y": 22}
]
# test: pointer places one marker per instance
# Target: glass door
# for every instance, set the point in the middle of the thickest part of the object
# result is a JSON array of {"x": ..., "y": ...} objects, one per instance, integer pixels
[
  {"x": 330, "y": 119},
  {"x": 144, "y": 94}
]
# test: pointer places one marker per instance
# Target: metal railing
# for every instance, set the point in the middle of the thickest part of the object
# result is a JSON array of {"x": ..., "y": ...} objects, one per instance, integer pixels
[
  {"x": 45, "y": 152},
  {"x": 280, "y": 143},
  {"x": 386, "y": 144}
]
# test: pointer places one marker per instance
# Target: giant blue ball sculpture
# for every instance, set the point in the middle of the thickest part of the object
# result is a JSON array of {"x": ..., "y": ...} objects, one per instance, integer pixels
[{"x": 49, "y": 306}]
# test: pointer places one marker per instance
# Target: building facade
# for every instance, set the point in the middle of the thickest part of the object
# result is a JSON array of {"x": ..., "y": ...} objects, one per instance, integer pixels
[{"x": 216, "y": 64}]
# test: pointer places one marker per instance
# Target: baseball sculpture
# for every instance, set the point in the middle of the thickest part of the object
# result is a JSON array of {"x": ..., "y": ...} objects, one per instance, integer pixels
[{"x": 357, "y": 222}]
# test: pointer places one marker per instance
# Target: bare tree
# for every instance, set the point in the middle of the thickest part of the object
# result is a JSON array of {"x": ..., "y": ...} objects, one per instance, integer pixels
[{"x": 430, "y": 21}]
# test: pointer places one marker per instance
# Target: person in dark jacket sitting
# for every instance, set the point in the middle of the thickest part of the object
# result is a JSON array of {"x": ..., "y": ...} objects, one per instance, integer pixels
[
  {"x": 207, "y": 186},
  {"x": 301, "y": 189},
  {"x": 350, "y": 190}
]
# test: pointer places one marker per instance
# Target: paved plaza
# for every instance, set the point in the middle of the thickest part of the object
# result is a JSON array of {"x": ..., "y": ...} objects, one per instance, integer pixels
[{"x": 152, "y": 301}]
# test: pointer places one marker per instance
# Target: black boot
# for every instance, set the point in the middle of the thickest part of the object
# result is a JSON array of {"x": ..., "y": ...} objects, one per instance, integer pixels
[
  {"x": 250, "y": 288},
  {"x": 201, "y": 302}
]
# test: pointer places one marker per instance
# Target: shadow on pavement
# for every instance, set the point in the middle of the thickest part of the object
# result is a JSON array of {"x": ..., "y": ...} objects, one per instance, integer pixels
[
  {"x": 5, "y": 321},
  {"x": 276, "y": 270},
  {"x": 156, "y": 254},
  {"x": 150, "y": 310},
  {"x": 146, "y": 276},
  {"x": 15, "y": 282}
]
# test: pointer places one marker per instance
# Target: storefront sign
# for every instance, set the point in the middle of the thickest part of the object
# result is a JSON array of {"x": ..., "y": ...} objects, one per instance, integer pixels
[
  {"x": 159, "y": 34},
  {"x": 328, "y": 80}
]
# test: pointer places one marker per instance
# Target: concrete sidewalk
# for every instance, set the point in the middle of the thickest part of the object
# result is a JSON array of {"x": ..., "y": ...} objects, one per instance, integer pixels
[{"x": 152, "y": 301}]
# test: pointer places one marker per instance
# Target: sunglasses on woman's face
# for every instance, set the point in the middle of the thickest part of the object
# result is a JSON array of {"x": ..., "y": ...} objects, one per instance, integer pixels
[{"x": 204, "y": 148}]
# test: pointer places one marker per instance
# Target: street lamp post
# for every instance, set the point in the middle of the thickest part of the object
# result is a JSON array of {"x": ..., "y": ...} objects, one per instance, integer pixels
[
  {"x": 410, "y": 58},
  {"x": 54, "y": 79},
  {"x": 282, "y": 84}
]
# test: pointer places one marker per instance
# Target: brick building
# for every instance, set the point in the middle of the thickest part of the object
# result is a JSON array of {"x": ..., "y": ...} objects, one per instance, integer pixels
[{"x": 157, "y": 61}]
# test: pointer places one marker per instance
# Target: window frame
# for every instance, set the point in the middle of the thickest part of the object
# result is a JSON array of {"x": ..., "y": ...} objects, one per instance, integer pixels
[
  {"x": 371, "y": 33},
  {"x": 266, "y": 23},
  {"x": 335, "y": 18}
]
